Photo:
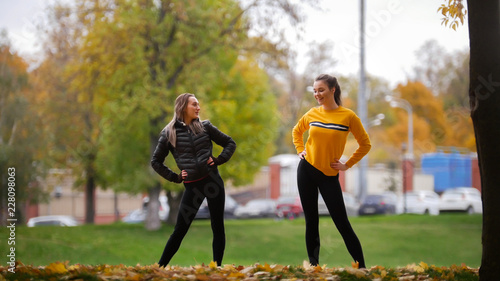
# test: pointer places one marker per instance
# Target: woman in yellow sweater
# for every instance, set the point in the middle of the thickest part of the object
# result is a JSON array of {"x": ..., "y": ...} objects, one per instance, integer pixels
[{"x": 328, "y": 125}]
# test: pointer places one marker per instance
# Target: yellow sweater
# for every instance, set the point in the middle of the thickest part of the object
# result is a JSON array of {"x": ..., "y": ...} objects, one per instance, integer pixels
[{"x": 328, "y": 131}]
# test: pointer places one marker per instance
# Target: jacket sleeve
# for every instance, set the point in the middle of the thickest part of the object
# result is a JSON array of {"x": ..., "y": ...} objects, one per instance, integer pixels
[
  {"x": 228, "y": 144},
  {"x": 158, "y": 158}
]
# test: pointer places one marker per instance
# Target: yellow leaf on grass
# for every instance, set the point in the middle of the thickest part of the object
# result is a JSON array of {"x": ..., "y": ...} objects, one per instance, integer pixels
[
  {"x": 74, "y": 267},
  {"x": 229, "y": 267},
  {"x": 266, "y": 267},
  {"x": 212, "y": 265},
  {"x": 424, "y": 265},
  {"x": 236, "y": 275},
  {"x": 56, "y": 268}
]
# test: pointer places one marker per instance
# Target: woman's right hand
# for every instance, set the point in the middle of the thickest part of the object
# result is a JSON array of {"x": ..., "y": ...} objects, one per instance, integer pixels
[
  {"x": 302, "y": 154},
  {"x": 184, "y": 174}
]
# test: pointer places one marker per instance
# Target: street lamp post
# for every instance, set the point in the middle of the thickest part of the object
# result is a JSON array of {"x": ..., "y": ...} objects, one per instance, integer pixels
[
  {"x": 363, "y": 164},
  {"x": 407, "y": 149},
  {"x": 404, "y": 104},
  {"x": 405, "y": 180},
  {"x": 362, "y": 112}
]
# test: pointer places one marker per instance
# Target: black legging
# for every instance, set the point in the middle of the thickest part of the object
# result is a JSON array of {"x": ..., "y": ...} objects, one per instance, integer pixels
[
  {"x": 212, "y": 188},
  {"x": 309, "y": 180}
]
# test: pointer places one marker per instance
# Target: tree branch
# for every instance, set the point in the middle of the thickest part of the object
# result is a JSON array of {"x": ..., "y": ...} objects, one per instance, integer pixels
[{"x": 12, "y": 134}]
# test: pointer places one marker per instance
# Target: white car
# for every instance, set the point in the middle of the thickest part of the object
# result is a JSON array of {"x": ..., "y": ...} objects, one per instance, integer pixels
[
  {"x": 421, "y": 202},
  {"x": 164, "y": 207},
  {"x": 230, "y": 205},
  {"x": 461, "y": 199},
  {"x": 256, "y": 208},
  {"x": 139, "y": 215},
  {"x": 52, "y": 220},
  {"x": 351, "y": 205}
]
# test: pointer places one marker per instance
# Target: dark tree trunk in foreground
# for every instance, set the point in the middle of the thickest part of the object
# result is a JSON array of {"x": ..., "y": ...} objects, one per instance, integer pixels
[{"x": 484, "y": 92}]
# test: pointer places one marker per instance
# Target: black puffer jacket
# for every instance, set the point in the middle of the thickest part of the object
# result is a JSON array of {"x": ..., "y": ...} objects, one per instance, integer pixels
[{"x": 191, "y": 152}]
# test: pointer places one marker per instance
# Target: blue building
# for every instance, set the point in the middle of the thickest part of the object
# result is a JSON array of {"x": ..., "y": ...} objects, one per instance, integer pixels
[{"x": 449, "y": 169}]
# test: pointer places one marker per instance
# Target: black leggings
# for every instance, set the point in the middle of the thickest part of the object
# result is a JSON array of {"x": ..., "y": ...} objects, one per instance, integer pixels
[
  {"x": 212, "y": 188},
  {"x": 309, "y": 180}
]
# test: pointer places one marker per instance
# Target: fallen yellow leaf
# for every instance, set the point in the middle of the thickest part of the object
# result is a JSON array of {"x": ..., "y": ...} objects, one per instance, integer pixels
[
  {"x": 56, "y": 268},
  {"x": 212, "y": 265}
]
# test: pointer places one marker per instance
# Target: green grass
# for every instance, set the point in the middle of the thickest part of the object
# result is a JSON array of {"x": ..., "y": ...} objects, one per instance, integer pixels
[{"x": 388, "y": 241}]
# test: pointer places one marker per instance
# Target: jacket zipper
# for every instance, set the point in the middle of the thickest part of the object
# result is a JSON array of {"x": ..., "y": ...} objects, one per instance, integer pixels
[{"x": 194, "y": 150}]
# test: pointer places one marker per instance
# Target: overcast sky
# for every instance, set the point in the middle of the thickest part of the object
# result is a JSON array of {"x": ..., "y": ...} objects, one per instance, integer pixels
[{"x": 394, "y": 30}]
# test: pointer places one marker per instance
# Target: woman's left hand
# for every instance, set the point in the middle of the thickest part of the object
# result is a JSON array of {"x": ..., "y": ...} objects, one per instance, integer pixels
[
  {"x": 337, "y": 165},
  {"x": 210, "y": 161}
]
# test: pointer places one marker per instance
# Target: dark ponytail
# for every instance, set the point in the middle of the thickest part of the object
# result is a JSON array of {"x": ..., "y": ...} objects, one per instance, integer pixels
[{"x": 332, "y": 83}]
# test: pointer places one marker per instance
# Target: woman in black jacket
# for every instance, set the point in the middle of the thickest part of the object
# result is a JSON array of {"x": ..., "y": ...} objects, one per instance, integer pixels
[{"x": 190, "y": 142}]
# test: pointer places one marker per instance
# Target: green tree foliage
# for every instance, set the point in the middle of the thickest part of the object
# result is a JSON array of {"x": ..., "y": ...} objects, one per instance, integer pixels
[
  {"x": 20, "y": 138},
  {"x": 155, "y": 52},
  {"x": 124, "y": 63},
  {"x": 243, "y": 104},
  {"x": 70, "y": 99}
]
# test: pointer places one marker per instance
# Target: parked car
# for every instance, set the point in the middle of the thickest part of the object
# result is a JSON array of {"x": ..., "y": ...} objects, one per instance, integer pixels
[
  {"x": 52, "y": 220},
  {"x": 461, "y": 199},
  {"x": 351, "y": 205},
  {"x": 384, "y": 203},
  {"x": 421, "y": 202},
  {"x": 135, "y": 216},
  {"x": 164, "y": 207},
  {"x": 229, "y": 208},
  {"x": 256, "y": 208},
  {"x": 289, "y": 207},
  {"x": 139, "y": 215}
]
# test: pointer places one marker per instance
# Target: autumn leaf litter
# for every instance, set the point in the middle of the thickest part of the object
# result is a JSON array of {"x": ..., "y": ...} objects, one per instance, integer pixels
[{"x": 65, "y": 271}]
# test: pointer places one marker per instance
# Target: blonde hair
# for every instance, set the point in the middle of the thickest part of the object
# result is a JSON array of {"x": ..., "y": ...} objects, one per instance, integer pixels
[{"x": 181, "y": 102}]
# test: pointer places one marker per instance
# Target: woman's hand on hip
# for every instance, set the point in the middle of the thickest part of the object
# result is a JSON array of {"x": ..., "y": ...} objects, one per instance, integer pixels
[
  {"x": 302, "y": 154},
  {"x": 184, "y": 174},
  {"x": 337, "y": 165},
  {"x": 210, "y": 161}
]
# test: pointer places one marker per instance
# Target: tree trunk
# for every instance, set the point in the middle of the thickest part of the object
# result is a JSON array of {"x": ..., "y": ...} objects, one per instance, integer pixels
[
  {"x": 174, "y": 202},
  {"x": 90, "y": 199},
  {"x": 152, "y": 215},
  {"x": 484, "y": 94}
]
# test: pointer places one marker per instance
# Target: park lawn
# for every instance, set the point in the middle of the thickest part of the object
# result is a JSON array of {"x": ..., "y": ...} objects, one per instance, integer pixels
[{"x": 388, "y": 241}]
